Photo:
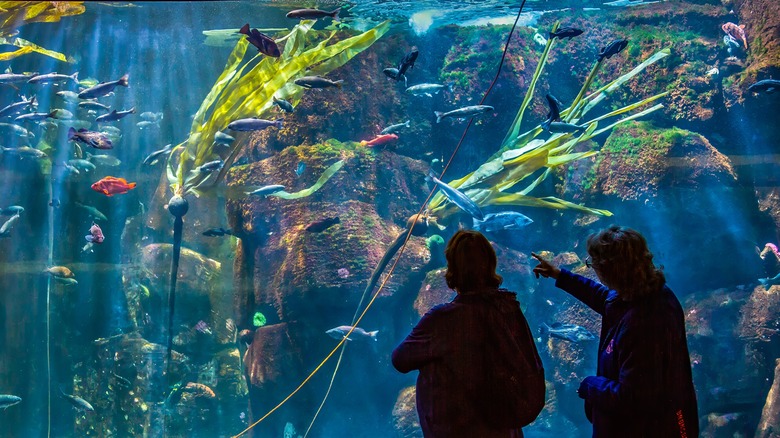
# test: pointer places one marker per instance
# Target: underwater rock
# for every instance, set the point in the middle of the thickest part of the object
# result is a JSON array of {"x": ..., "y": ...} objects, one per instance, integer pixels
[
  {"x": 195, "y": 270},
  {"x": 769, "y": 202},
  {"x": 433, "y": 291},
  {"x": 770, "y": 416},
  {"x": 405, "y": 420}
]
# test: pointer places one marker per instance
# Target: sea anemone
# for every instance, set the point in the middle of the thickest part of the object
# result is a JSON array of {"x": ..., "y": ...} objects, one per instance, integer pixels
[{"x": 259, "y": 319}]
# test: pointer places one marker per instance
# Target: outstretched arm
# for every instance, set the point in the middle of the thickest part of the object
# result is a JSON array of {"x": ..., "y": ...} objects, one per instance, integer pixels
[{"x": 592, "y": 293}]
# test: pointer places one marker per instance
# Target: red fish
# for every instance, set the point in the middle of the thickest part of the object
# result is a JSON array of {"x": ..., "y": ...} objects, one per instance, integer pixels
[
  {"x": 736, "y": 32},
  {"x": 113, "y": 186},
  {"x": 95, "y": 234},
  {"x": 379, "y": 140}
]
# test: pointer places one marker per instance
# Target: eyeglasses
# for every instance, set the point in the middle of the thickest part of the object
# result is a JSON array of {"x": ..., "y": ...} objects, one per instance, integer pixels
[{"x": 588, "y": 262}]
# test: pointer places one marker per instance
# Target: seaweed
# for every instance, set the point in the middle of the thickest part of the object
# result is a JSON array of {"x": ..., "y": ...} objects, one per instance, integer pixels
[
  {"x": 523, "y": 155},
  {"x": 247, "y": 90},
  {"x": 15, "y": 14}
]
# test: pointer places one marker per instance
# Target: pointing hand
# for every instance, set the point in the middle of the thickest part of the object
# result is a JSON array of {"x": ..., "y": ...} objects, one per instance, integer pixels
[{"x": 545, "y": 268}]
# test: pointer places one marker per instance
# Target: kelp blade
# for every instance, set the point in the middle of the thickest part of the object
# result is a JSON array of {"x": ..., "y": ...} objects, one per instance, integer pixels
[{"x": 329, "y": 172}]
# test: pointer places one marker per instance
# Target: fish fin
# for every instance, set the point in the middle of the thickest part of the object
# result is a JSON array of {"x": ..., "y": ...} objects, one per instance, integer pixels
[
  {"x": 335, "y": 14},
  {"x": 244, "y": 29},
  {"x": 438, "y": 115},
  {"x": 131, "y": 185},
  {"x": 363, "y": 142},
  {"x": 52, "y": 114},
  {"x": 89, "y": 238},
  {"x": 124, "y": 80},
  {"x": 105, "y": 192},
  {"x": 33, "y": 101},
  {"x": 339, "y": 82},
  {"x": 75, "y": 76},
  {"x": 373, "y": 335},
  {"x": 71, "y": 133},
  {"x": 132, "y": 110}
]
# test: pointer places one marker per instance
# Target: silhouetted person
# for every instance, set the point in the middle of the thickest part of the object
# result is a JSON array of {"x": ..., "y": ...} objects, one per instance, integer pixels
[
  {"x": 448, "y": 345},
  {"x": 643, "y": 386}
]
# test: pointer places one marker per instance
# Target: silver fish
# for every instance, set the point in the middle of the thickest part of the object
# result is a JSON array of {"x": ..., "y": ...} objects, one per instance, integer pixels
[
  {"x": 569, "y": 332},
  {"x": 222, "y": 138},
  {"x": 114, "y": 115},
  {"x": 462, "y": 113},
  {"x": 78, "y": 402},
  {"x": 5, "y": 229},
  {"x": 210, "y": 166},
  {"x": 8, "y": 400},
  {"x": 25, "y": 152},
  {"x": 66, "y": 281},
  {"x": 104, "y": 160},
  {"x": 68, "y": 96},
  {"x": 53, "y": 77},
  {"x": 16, "y": 129},
  {"x": 358, "y": 333},
  {"x": 427, "y": 89},
  {"x": 10, "y": 77},
  {"x": 146, "y": 124},
  {"x": 458, "y": 198},
  {"x": 70, "y": 168},
  {"x": 18, "y": 106},
  {"x": 317, "y": 82},
  {"x": 253, "y": 124},
  {"x": 505, "y": 220},
  {"x": 155, "y": 156},
  {"x": 395, "y": 128},
  {"x": 104, "y": 88},
  {"x": 80, "y": 164},
  {"x": 283, "y": 104},
  {"x": 62, "y": 114},
  {"x": 94, "y": 105},
  {"x": 267, "y": 190},
  {"x": 11, "y": 210},
  {"x": 152, "y": 117},
  {"x": 36, "y": 116}
]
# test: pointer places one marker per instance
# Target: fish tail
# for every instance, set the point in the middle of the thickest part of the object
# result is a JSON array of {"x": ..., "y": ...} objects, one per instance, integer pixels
[
  {"x": 339, "y": 82},
  {"x": 52, "y": 114},
  {"x": 373, "y": 334},
  {"x": 124, "y": 80},
  {"x": 362, "y": 143},
  {"x": 407, "y": 123},
  {"x": 71, "y": 133},
  {"x": 131, "y": 185},
  {"x": 75, "y": 77},
  {"x": 33, "y": 101},
  {"x": 244, "y": 29},
  {"x": 132, "y": 110},
  {"x": 335, "y": 14},
  {"x": 439, "y": 116},
  {"x": 278, "y": 123},
  {"x": 544, "y": 329}
]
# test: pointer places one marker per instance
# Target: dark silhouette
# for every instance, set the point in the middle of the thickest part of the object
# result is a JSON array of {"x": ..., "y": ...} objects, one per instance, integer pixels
[
  {"x": 480, "y": 374},
  {"x": 643, "y": 386}
]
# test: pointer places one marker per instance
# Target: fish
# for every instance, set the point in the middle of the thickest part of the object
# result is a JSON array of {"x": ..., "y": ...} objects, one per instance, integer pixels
[
  {"x": 95, "y": 234},
  {"x": 36, "y": 116},
  {"x": 554, "y": 114},
  {"x": 17, "y": 130},
  {"x": 394, "y": 74},
  {"x": 713, "y": 71},
  {"x": 267, "y": 190},
  {"x": 283, "y": 104},
  {"x": 11, "y": 210},
  {"x": 146, "y": 124},
  {"x": 566, "y": 32},
  {"x": 560, "y": 127},
  {"x": 10, "y": 77},
  {"x": 321, "y": 225},
  {"x": 569, "y": 332},
  {"x": 379, "y": 140},
  {"x": 94, "y": 105},
  {"x": 92, "y": 211},
  {"x": 505, "y": 220},
  {"x": 97, "y": 140},
  {"x": 265, "y": 44},
  {"x": 5, "y": 229},
  {"x": 253, "y": 124},
  {"x": 358, "y": 333},
  {"x": 408, "y": 61},
  {"x": 736, "y": 32},
  {"x": 153, "y": 117},
  {"x": 62, "y": 114},
  {"x": 18, "y": 106},
  {"x": 155, "y": 156},
  {"x": 395, "y": 128},
  {"x": 210, "y": 166},
  {"x": 317, "y": 82},
  {"x": 104, "y": 88},
  {"x": 313, "y": 14},
  {"x": 115, "y": 115},
  {"x": 81, "y": 164},
  {"x": 70, "y": 169},
  {"x": 466, "y": 111},
  {"x": 217, "y": 232},
  {"x": 78, "y": 402},
  {"x": 301, "y": 168},
  {"x": 110, "y": 186},
  {"x": 427, "y": 89},
  {"x": 222, "y": 138},
  {"x": 768, "y": 86},
  {"x": 68, "y": 96},
  {"x": 53, "y": 77},
  {"x": 540, "y": 39},
  {"x": 8, "y": 400},
  {"x": 66, "y": 281},
  {"x": 104, "y": 160},
  {"x": 612, "y": 49},
  {"x": 730, "y": 43},
  {"x": 59, "y": 271},
  {"x": 457, "y": 197},
  {"x": 25, "y": 152}
]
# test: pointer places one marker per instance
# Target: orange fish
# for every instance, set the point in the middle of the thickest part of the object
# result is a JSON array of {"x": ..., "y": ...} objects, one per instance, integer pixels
[
  {"x": 736, "y": 32},
  {"x": 379, "y": 140},
  {"x": 113, "y": 186}
]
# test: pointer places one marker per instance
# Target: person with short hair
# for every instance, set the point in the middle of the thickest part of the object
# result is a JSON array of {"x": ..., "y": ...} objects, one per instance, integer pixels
[
  {"x": 643, "y": 385},
  {"x": 447, "y": 345}
]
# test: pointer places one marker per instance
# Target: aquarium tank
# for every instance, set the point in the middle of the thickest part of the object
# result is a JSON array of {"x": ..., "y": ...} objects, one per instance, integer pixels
[{"x": 218, "y": 219}]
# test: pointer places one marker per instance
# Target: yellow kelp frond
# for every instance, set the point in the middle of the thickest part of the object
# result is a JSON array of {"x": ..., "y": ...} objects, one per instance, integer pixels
[
  {"x": 15, "y": 14},
  {"x": 27, "y": 47},
  {"x": 7, "y": 56},
  {"x": 329, "y": 172}
]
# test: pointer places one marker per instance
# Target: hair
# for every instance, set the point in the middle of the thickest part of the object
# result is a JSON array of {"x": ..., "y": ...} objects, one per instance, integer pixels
[
  {"x": 471, "y": 262},
  {"x": 624, "y": 263}
]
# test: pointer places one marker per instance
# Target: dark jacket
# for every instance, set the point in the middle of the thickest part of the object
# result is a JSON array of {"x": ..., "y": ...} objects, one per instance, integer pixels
[
  {"x": 643, "y": 386},
  {"x": 445, "y": 346}
]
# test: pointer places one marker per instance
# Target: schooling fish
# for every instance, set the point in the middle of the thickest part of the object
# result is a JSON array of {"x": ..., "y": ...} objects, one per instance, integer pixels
[
  {"x": 110, "y": 186},
  {"x": 267, "y": 190},
  {"x": 317, "y": 82},
  {"x": 554, "y": 114},
  {"x": 253, "y": 124},
  {"x": 104, "y": 160},
  {"x": 68, "y": 96},
  {"x": 358, "y": 333},
  {"x": 612, "y": 49},
  {"x": 322, "y": 224},
  {"x": 457, "y": 197},
  {"x": 736, "y": 32},
  {"x": 8, "y": 400},
  {"x": 505, "y": 220},
  {"x": 32, "y": 117},
  {"x": 222, "y": 138},
  {"x": 217, "y": 232},
  {"x": 95, "y": 234},
  {"x": 408, "y": 61},
  {"x": 263, "y": 42},
  {"x": 565, "y": 32},
  {"x": 17, "y": 130},
  {"x": 569, "y": 332},
  {"x": 143, "y": 124},
  {"x": 283, "y": 104},
  {"x": 82, "y": 165},
  {"x": 24, "y": 152},
  {"x": 78, "y": 402},
  {"x": 461, "y": 113},
  {"x": 104, "y": 88},
  {"x": 210, "y": 166},
  {"x": 18, "y": 106},
  {"x": 115, "y": 115},
  {"x": 395, "y": 128},
  {"x": 94, "y": 105},
  {"x": 427, "y": 89},
  {"x": 379, "y": 140},
  {"x": 53, "y": 77},
  {"x": 768, "y": 86},
  {"x": 313, "y": 14},
  {"x": 97, "y": 140},
  {"x": 62, "y": 114},
  {"x": 153, "y": 117},
  {"x": 10, "y": 77}
]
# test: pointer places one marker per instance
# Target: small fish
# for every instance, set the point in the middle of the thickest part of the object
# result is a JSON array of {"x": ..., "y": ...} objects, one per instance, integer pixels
[
  {"x": 767, "y": 86},
  {"x": 358, "y": 333},
  {"x": 457, "y": 197},
  {"x": 395, "y": 128},
  {"x": 301, "y": 168},
  {"x": 68, "y": 96},
  {"x": 210, "y": 166},
  {"x": 11, "y": 210},
  {"x": 92, "y": 211},
  {"x": 53, "y": 77},
  {"x": 612, "y": 49},
  {"x": 569, "y": 332},
  {"x": 505, "y": 220},
  {"x": 395, "y": 74},
  {"x": 70, "y": 169},
  {"x": 466, "y": 111},
  {"x": 115, "y": 115},
  {"x": 153, "y": 117},
  {"x": 10, "y": 77},
  {"x": 94, "y": 105},
  {"x": 265, "y": 44},
  {"x": 59, "y": 271},
  {"x": 36, "y": 116},
  {"x": 66, "y": 281},
  {"x": 313, "y": 14},
  {"x": 427, "y": 89},
  {"x": 736, "y": 32},
  {"x": 25, "y": 152},
  {"x": 267, "y": 190},
  {"x": 560, "y": 127},
  {"x": 222, "y": 138},
  {"x": 217, "y": 232},
  {"x": 5, "y": 229},
  {"x": 121, "y": 380},
  {"x": 78, "y": 402},
  {"x": 565, "y": 32},
  {"x": 95, "y": 234},
  {"x": 147, "y": 124},
  {"x": 379, "y": 140},
  {"x": 155, "y": 156},
  {"x": 104, "y": 88},
  {"x": 283, "y": 104},
  {"x": 253, "y": 124},
  {"x": 110, "y": 186},
  {"x": 8, "y": 400},
  {"x": 540, "y": 39},
  {"x": 322, "y": 224},
  {"x": 408, "y": 62},
  {"x": 82, "y": 165},
  {"x": 17, "y": 130},
  {"x": 18, "y": 106},
  {"x": 62, "y": 114},
  {"x": 317, "y": 82},
  {"x": 97, "y": 140},
  {"x": 554, "y": 114},
  {"x": 104, "y": 160}
]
